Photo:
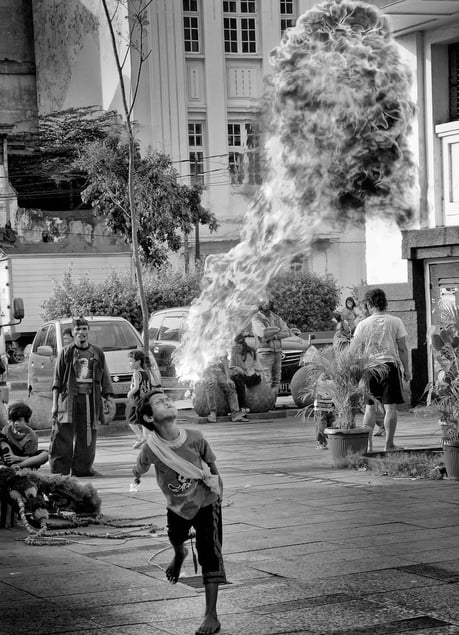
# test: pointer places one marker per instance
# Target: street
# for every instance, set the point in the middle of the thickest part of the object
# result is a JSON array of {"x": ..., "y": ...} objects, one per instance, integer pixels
[{"x": 308, "y": 548}]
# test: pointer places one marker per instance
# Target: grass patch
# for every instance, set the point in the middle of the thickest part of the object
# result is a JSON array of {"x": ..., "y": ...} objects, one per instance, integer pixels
[{"x": 421, "y": 465}]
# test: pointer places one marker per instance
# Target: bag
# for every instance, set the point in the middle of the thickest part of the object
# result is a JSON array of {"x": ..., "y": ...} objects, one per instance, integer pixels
[
  {"x": 145, "y": 383},
  {"x": 252, "y": 380}
]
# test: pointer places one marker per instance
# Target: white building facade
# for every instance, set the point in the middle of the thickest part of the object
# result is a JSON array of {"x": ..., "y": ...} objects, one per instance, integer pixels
[{"x": 199, "y": 102}]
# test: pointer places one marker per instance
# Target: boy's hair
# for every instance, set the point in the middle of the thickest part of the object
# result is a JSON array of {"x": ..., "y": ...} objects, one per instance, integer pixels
[
  {"x": 79, "y": 321},
  {"x": 138, "y": 355},
  {"x": 144, "y": 407},
  {"x": 19, "y": 410},
  {"x": 376, "y": 298}
]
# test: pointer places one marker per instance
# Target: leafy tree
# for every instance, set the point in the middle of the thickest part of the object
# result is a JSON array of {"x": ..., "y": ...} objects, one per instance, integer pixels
[
  {"x": 305, "y": 300},
  {"x": 165, "y": 209},
  {"x": 41, "y": 162}
]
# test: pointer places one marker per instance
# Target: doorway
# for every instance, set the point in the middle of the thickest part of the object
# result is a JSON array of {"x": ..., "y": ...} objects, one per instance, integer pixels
[{"x": 442, "y": 290}]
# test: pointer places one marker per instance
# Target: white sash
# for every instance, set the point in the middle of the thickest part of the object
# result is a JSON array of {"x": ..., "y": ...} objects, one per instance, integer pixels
[{"x": 164, "y": 452}]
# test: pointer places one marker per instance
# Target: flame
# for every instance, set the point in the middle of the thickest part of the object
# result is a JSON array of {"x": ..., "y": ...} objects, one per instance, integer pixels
[{"x": 338, "y": 115}]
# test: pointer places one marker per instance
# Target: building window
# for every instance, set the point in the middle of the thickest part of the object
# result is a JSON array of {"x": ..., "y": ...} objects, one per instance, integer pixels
[
  {"x": 453, "y": 50},
  {"x": 240, "y": 26},
  {"x": 287, "y": 14},
  {"x": 243, "y": 153},
  {"x": 191, "y": 26},
  {"x": 196, "y": 149},
  {"x": 300, "y": 264}
]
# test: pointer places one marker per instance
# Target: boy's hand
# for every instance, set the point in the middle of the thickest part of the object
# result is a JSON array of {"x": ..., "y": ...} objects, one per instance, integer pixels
[
  {"x": 11, "y": 458},
  {"x": 135, "y": 485}
]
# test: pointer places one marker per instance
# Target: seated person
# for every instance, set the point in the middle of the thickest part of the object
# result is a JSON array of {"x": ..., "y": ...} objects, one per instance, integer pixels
[
  {"x": 18, "y": 442},
  {"x": 245, "y": 369},
  {"x": 343, "y": 332},
  {"x": 217, "y": 374}
]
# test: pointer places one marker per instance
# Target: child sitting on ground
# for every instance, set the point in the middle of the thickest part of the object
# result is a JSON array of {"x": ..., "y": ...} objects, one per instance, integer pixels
[
  {"x": 188, "y": 477},
  {"x": 18, "y": 442}
]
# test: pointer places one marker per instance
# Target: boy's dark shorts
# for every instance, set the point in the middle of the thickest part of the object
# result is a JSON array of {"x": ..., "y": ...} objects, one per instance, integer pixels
[
  {"x": 208, "y": 526},
  {"x": 389, "y": 389}
]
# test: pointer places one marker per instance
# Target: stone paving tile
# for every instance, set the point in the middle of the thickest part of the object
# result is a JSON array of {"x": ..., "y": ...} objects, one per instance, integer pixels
[
  {"x": 21, "y": 567},
  {"x": 440, "y": 601},
  {"x": 304, "y": 571},
  {"x": 157, "y": 611},
  {"x": 381, "y": 538},
  {"x": 9, "y": 594},
  {"x": 38, "y": 618},
  {"x": 89, "y": 580},
  {"x": 236, "y": 623},
  {"x": 289, "y": 551},
  {"x": 135, "y": 629},
  {"x": 422, "y": 624},
  {"x": 441, "y": 630},
  {"x": 275, "y": 589},
  {"x": 415, "y": 546},
  {"x": 341, "y": 617}
]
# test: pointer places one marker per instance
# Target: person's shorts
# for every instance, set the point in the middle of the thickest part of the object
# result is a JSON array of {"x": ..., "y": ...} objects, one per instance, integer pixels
[{"x": 388, "y": 390}]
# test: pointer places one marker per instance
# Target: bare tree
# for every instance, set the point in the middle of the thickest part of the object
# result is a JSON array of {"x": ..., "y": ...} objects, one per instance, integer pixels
[{"x": 135, "y": 44}]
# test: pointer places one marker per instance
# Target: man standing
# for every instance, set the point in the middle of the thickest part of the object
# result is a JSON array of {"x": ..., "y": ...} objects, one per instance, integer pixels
[
  {"x": 81, "y": 378},
  {"x": 269, "y": 329},
  {"x": 384, "y": 336}
]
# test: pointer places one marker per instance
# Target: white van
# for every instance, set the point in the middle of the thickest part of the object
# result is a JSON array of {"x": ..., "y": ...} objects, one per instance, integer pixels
[{"x": 115, "y": 335}]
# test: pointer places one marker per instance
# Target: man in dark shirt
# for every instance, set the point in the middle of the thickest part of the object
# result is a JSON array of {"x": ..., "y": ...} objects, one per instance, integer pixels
[{"x": 81, "y": 380}]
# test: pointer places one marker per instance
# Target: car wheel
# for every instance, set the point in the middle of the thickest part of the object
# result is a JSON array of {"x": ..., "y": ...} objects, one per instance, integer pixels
[{"x": 109, "y": 410}]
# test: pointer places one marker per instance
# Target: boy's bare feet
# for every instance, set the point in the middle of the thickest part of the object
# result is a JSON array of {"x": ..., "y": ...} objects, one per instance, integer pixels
[
  {"x": 175, "y": 567},
  {"x": 209, "y": 626}
]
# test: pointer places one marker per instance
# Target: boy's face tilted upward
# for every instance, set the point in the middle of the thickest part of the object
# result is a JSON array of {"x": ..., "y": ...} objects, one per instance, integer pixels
[{"x": 163, "y": 407}]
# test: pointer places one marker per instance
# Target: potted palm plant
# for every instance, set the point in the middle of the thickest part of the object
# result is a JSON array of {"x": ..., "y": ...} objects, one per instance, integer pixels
[
  {"x": 443, "y": 392},
  {"x": 338, "y": 373}
]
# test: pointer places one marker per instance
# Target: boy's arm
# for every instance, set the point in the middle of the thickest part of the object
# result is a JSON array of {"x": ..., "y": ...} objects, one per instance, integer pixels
[
  {"x": 144, "y": 461},
  {"x": 214, "y": 470},
  {"x": 31, "y": 445}
]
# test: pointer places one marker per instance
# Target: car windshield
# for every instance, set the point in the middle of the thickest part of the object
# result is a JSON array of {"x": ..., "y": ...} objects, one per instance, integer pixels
[{"x": 112, "y": 336}]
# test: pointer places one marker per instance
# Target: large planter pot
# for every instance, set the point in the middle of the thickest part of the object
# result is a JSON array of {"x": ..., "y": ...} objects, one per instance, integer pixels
[
  {"x": 451, "y": 455},
  {"x": 298, "y": 389},
  {"x": 344, "y": 442},
  {"x": 259, "y": 399}
]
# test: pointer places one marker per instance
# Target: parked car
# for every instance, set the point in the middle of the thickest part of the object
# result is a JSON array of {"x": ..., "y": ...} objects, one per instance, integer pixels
[
  {"x": 115, "y": 335},
  {"x": 166, "y": 327}
]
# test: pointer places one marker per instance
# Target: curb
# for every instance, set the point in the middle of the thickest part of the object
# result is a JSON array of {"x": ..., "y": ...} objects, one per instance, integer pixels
[{"x": 118, "y": 428}]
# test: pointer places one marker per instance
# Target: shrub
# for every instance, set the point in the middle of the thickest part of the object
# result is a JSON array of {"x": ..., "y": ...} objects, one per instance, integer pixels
[
  {"x": 117, "y": 295},
  {"x": 306, "y": 300},
  {"x": 302, "y": 300}
]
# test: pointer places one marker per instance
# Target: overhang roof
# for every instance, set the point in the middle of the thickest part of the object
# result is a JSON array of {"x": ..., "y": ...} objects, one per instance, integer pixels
[{"x": 419, "y": 15}]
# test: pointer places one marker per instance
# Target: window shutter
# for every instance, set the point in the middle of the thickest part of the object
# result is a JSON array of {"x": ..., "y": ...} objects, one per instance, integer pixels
[{"x": 454, "y": 82}]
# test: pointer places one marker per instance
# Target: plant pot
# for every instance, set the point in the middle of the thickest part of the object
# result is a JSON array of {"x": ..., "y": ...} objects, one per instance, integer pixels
[
  {"x": 344, "y": 442},
  {"x": 451, "y": 455}
]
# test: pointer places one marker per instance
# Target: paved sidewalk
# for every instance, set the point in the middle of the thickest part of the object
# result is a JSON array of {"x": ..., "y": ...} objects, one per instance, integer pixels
[{"x": 308, "y": 548}]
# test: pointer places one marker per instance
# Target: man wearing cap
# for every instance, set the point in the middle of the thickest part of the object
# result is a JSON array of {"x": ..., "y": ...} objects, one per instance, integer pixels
[{"x": 81, "y": 380}]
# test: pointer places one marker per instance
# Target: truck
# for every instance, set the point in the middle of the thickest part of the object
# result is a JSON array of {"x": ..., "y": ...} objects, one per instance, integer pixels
[{"x": 30, "y": 271}]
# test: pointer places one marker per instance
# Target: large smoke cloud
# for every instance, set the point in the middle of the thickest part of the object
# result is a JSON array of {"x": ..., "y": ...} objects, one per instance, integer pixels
[{"x": 338, "y": 115}]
